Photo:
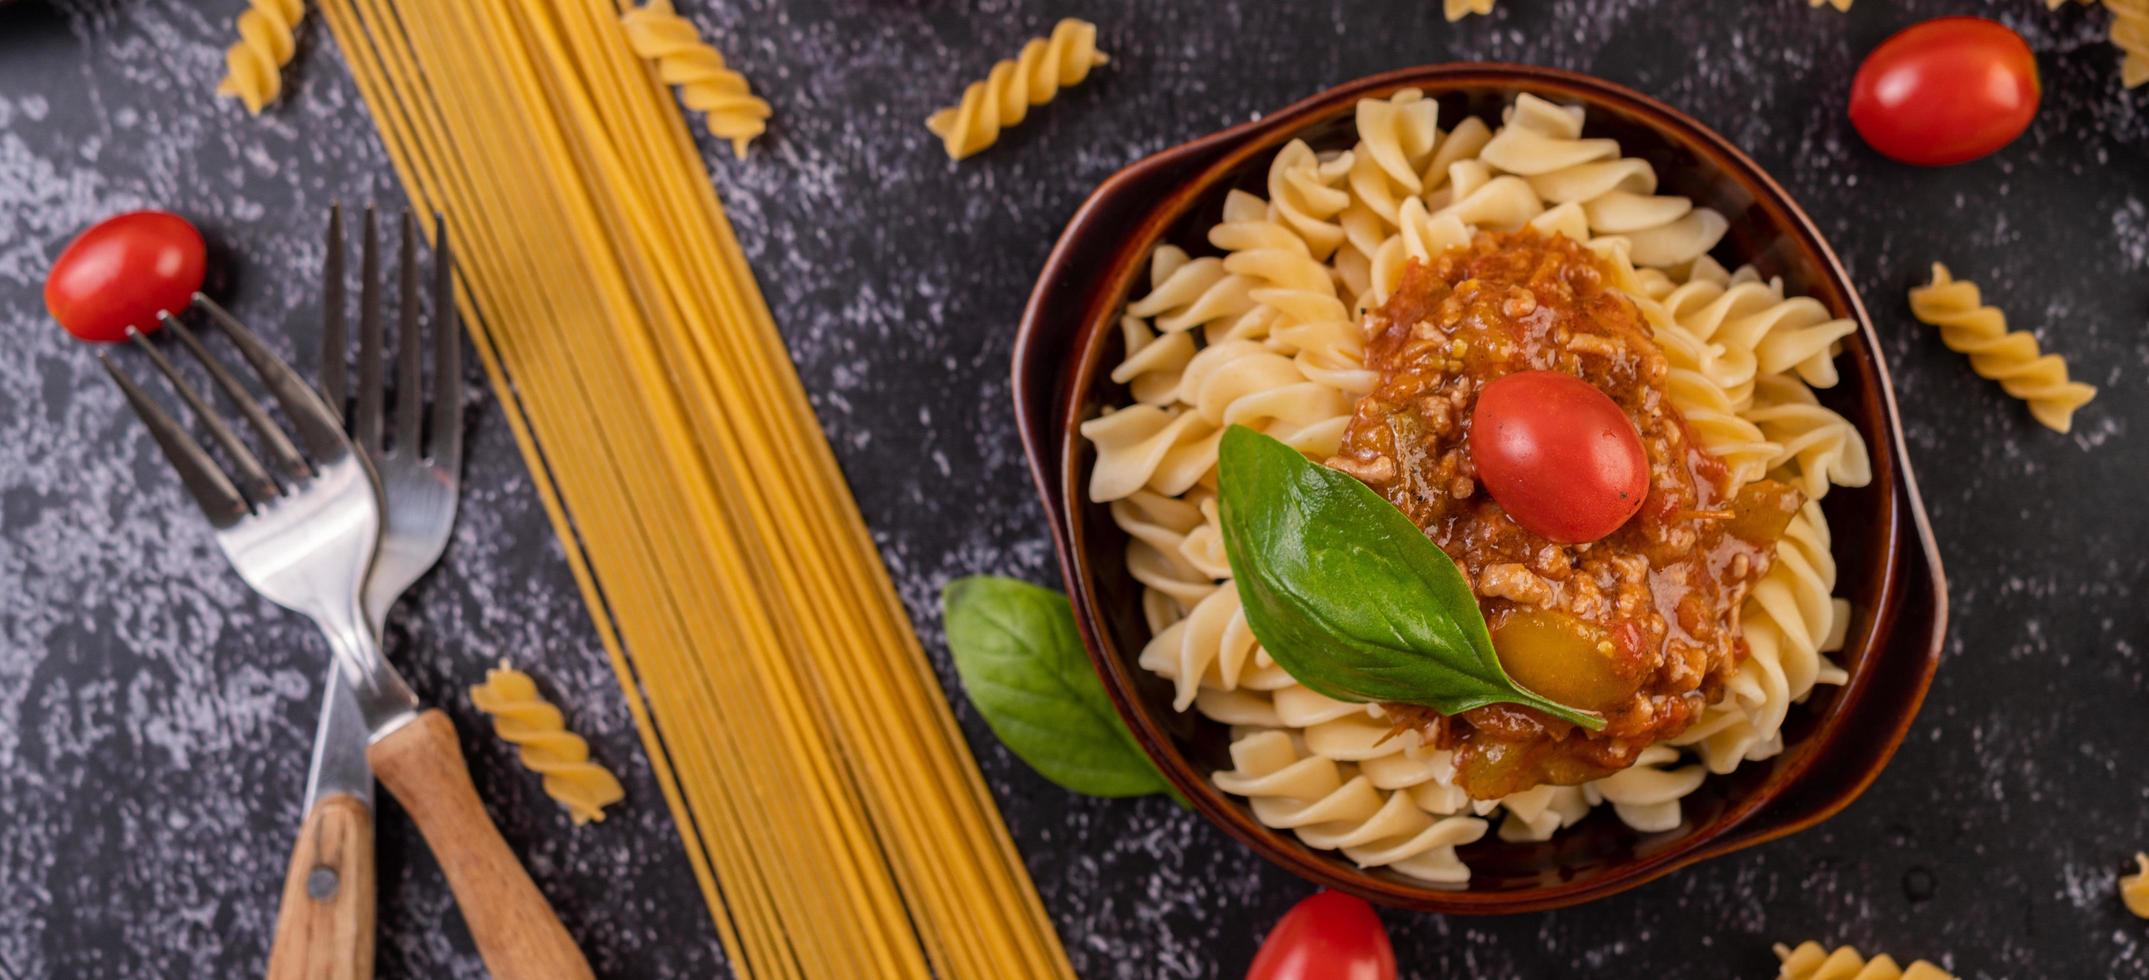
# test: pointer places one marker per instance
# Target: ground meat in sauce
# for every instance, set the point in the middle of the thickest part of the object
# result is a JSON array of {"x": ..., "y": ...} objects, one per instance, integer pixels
[{"x": 1645, "y": 621}]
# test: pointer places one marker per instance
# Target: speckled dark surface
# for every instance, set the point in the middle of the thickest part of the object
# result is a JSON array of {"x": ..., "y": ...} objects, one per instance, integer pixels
[{"x": 154, "y": 714}]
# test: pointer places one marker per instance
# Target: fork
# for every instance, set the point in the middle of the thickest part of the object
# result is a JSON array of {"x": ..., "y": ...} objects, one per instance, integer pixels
[
  {"x": 323, "y": 926},
  {"x": 306, "y": 542}
]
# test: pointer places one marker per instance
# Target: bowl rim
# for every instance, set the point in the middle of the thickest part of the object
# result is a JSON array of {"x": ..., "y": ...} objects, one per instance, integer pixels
[{"x": 1053, "y": 451}]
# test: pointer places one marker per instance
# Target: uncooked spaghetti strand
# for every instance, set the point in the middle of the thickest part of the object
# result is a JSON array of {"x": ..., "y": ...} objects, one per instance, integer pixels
[
  {"x": 476, "y": 323},
  {"x": 899, "y": 813},
  {"x": 357, "y": 50},
  {"x": 668, "y": 484},
  {"x": 677, "y": 454},
  {"x": 673, "y": 538},
  {"x": 703, "y": 252},
  {"x": 695, "y": 252},
  {"x": 748, "y": 415}
]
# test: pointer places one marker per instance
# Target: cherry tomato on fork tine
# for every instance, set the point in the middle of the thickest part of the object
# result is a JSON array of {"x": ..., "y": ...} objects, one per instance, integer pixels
[
  {"x": 122, "y": 271},
  {"x": 1945, "y": 91},
  {"x": 1327, "y": 936},
  {"x": 1558, "y": 455}
]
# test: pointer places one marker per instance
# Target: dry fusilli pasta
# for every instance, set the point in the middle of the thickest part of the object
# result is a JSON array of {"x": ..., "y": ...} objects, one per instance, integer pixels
[
  {"x": 253, "y": 67},
  {"x": 1838, "y": 4},
  {"x": 733, "y": 112},
  {"x": 1969, "y": 327},
  {"x": 1810, "y": 961},
  {"x": 2134, "y": 888},
  {"x": 2130, "y": 32},
  {"x": 525, "y": 718},
  {"x": 1459, "y": 9},
  {"x": 1045, "y": 66}
]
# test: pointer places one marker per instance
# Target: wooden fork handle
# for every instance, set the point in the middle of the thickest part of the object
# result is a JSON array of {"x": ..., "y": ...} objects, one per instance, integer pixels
[
  {"x": 516, "y": 930},
  {"x": 324, "y": 926}
]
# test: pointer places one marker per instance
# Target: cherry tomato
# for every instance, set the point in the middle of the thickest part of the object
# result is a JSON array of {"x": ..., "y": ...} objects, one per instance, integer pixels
[
  {"x": 1558, "y": 455},
  {"x": 1945, "y": 91},
  {"x": 122, "y": 271},
  {"x": 1327, "y": 936}
]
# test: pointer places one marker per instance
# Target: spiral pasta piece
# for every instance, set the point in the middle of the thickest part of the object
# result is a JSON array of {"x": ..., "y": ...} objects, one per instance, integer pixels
[
  {"x": 253, "y": 66},
  {"x": 1838, "y": 4},
  {"x": 2134, "y": 888},
  {"x": 1459, "y": 9},
  {"x": 1045, "y": 66},
  {"x": 1274, "y": 260},
  {"x": 1646, "y": 794},
  {"x": 1812, "y": 961},
  {"x": 1823, "y": 449},
  {"x": 1139, "y": 446},
  {"x": 1401, "y": 154},
  {"x": 1332, "y": 808},
  {"x": 1713, "y": 419},
  {"x": 1542, "y": 142},
  {"x": 1187, "y": 293},
  {"x": 1305, "y": 193},
  {"x": 2130, "y": 33},
  {"x": 522, "y": 716},
  {"x": 732, "y": 111},
  {"x": 1969, "y": 327},
  {"x": 1157, "y": 527}
]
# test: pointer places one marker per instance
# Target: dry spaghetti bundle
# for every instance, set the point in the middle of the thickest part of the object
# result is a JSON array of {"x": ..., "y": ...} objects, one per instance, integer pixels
[{"x": 835, "y": 819}]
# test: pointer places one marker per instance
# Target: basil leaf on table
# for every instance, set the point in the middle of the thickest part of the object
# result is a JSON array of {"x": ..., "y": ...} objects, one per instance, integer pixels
[
  {"x": 1022, "y": 662},
  {"x": 1348, "y": 595}
]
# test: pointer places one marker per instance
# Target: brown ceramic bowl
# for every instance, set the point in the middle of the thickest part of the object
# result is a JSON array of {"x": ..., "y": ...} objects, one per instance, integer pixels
[{"x": 1837, "y": 741}]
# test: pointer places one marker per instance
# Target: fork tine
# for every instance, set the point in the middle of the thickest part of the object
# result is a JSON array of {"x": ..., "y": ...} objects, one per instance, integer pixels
[
  {"x": 332, "y": 338},
  {"x": 366, "y": 421},
  {"x": 252, "y": 476},
  {"x": 272, "y": 435},
  {"x": 317, "y": 427},
  {"x": 447, "y": 355},
  {"x": 211, "y": 489},
  {"x": 409, "y": 382}
]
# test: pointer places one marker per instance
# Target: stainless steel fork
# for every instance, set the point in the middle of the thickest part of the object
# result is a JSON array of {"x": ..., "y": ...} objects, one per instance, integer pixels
[
  {"x": 305, "y": 537},
  {"x": 419, "y": 487}
]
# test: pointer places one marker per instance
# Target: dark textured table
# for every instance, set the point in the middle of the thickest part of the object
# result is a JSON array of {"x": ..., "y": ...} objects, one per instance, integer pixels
[{"x": 154, "y": 714}]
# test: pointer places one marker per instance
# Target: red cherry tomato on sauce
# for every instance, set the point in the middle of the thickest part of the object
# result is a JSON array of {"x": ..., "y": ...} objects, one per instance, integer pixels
[
  {"x": 1945, "y": 91},
  {"x": 1558, "y": 455},
  {"x": 122, "y": 271},
  {"x": 1328, "y": 936}
]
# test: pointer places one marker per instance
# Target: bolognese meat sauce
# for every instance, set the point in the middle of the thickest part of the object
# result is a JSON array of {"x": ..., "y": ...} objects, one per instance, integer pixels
[{"x": 1641, "y": 625}]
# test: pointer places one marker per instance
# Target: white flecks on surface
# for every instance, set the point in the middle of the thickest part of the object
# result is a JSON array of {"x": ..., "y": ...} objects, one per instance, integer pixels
[{"x": 154, "y": 715}]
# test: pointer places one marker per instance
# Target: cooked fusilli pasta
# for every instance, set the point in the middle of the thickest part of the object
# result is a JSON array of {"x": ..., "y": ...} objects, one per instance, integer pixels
[
  {"x": 253, "y": 67},
  {"x": 1543, "y": 143},
  {"x": 1045, "y": 66},
  {"x": 1459, "y": 9},
  {"x": 1969, "y": 327},
  {"x": 2134, "y": 888},
  {"x": 732, "y": 111},
  {"x": 1267, "y": 333},
  {"x": 1838, "y": 4},
  {"x": 525, "y": 718},
  {"x": 1811, "y": 961},
  {"x": 1331, "y": 806}
]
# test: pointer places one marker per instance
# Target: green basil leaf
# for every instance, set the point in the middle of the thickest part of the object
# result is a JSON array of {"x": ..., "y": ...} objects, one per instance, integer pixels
[
  {"x": 1021, "y": 660},
  {"x": 1350, "y": 597}
]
